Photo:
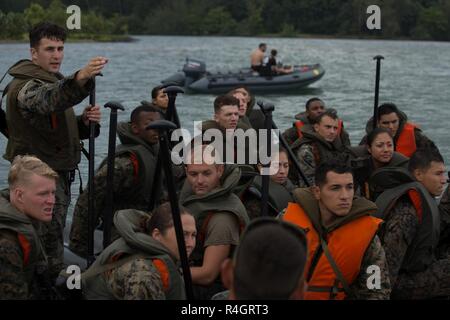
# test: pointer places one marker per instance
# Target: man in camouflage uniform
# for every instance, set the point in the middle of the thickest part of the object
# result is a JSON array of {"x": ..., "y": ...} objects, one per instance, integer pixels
[
  {"x": 313, "y": 109},
  {"x": 340, "y": 255},
  {"x": 30, "y": 198},
  {"x": 41, "y": 120},
  {"x": 318, "y": 144},
  {"x": 134, "y": 171},
  {"x": 220, "y": 216},
  {"x": 411, "y": 233}
]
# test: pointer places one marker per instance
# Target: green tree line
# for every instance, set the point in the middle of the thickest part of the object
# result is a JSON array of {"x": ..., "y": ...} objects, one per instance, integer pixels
[{"x": 411, "y": 19}]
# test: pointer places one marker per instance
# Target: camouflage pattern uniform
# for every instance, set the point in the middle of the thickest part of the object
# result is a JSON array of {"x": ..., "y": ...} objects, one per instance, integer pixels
[
  {"x": 444, "y": 210},
  {"x": 37, "y": 98},
  {"x": 307, "y": 163},
  {"x": 13, "y": 283},
  {"x": 136, "y": 280},
  {"x": 400, "y": 230},
  {"x": 124, "y": 179},
  {"x": 374, "y": 256}
]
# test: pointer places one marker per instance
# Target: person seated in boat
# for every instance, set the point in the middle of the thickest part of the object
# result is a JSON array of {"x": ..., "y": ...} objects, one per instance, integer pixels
[
  {"x": 273, "y": 68},
  {"x": 408, "y": 137},
  {"x": 314, "y": 107},
  {"x": 160, "y": 100},
  {"x": 257, "y": 57},
  {"x": 242, "y": 107},
  {"x": 378, "y": 153}
]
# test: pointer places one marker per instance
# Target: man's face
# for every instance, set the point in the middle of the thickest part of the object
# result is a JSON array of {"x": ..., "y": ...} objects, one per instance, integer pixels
[
  {"x": 227, "y": 117},
  {"x": 169, "y": 238},
  {"x": 263, "y": 48},
  {"x": 390, "y": 121},
  {"x": 242, "y": 103},
  {"x": 315, "y": 109},
  {"x": 161, "y": 100},
  {"x": 203, "y": 178},
  {"x": 145, "y": 119},
  {"x": 433, "y": 179},
  {"x": 49, "y": 54},
  {"x": 245, "y": 93},
  {"x": 283, "y": 169},
  {"x": 37, "y": 197},
  {"x": 336, "y": 195},
  {"x": 327, "y": 128}
]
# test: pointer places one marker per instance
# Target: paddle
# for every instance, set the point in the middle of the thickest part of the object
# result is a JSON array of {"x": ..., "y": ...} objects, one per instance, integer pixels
[{"x": 377, "y": 90}]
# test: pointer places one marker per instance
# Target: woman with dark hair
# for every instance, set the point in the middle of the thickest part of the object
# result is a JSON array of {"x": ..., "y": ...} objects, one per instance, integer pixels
[
  {"x": 380, "y": 148},
  {"x": 143, "y": 264},
  {"x": 160, "y": 98}
]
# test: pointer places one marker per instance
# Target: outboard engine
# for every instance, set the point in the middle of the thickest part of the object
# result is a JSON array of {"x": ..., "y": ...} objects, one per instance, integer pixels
[{"x": 194, "y": 70}]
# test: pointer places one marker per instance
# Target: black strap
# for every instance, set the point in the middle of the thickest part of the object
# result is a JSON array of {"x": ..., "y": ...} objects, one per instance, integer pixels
[{"x": 336, "y": 270}]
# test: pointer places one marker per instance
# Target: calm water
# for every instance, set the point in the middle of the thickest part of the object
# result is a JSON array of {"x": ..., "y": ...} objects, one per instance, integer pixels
[{"x": 414, "y": 75}]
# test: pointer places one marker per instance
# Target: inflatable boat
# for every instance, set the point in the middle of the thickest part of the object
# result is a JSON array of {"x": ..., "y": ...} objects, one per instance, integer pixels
[{"x": 196, "y": 79}]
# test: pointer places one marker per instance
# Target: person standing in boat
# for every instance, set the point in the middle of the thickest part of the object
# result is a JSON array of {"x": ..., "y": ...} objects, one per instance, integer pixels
[
  {"x": 257, "y": 57},
  {"x": 41, "y": 120}
]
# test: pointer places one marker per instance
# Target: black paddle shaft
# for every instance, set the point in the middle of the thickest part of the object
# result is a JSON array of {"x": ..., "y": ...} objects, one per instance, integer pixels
[
  {"x": 109, "y": 201},
  {"x": 91, "y": 191},
  {"x": 171, "y": 115},
  {"x": 267, "y": 109},
  {"x": 291, "y": 154},
  {"x": 163, "y": 126},
  {"x": 377, "y": 90}
]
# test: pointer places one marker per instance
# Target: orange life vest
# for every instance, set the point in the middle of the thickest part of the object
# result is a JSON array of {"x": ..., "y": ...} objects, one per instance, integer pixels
[
  {"x": 406, "y": 142},
  {"x": 299, "y": 125},
  {"x": 347, "y": 245}
]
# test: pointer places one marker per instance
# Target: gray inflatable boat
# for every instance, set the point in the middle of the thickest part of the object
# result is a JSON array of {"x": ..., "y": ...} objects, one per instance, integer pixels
[{"x": 196, "y": 79}]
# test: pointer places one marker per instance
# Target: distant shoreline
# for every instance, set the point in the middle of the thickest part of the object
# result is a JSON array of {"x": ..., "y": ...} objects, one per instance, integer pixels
[{"x": 81, "y": 38}]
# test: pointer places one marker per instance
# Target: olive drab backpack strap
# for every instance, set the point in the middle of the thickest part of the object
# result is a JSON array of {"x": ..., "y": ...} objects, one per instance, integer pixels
[{"x": 340, "y": 277}]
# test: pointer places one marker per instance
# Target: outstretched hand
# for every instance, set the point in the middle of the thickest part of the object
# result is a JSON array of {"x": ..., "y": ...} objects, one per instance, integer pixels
[
  {"x": 92, "y": 69},
  {"x": 91, "y": 113}
]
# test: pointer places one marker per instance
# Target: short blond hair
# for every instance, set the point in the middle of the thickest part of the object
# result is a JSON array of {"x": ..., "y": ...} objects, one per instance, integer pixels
[{"x": 24, "y": 166}]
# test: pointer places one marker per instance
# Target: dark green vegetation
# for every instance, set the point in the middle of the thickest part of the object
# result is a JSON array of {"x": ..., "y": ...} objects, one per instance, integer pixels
[{"x": 401, "y": 19}]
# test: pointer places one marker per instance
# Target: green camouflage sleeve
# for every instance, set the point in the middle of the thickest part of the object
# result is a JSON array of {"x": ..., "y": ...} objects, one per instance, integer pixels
[
  {"x": 137, "y": 280},
  {"x": 373, "y": 280},
  {"x": 399, "y": 231},
  {"x": 13, "y": 283},
  {"x": 39, "y": 97},
  {"x": 307, "y": 163},
  {"x": 123, "y": 181}
]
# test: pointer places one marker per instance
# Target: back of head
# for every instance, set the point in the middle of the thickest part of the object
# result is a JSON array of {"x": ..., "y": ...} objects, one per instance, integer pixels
[
  {"x": 422, "y": 159},
  {"x": 23, "y": 167},
  {"x": 46, "y": 30},
  {"x": 162, "y": 218},
  {"x": 269, "y": 261}
]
